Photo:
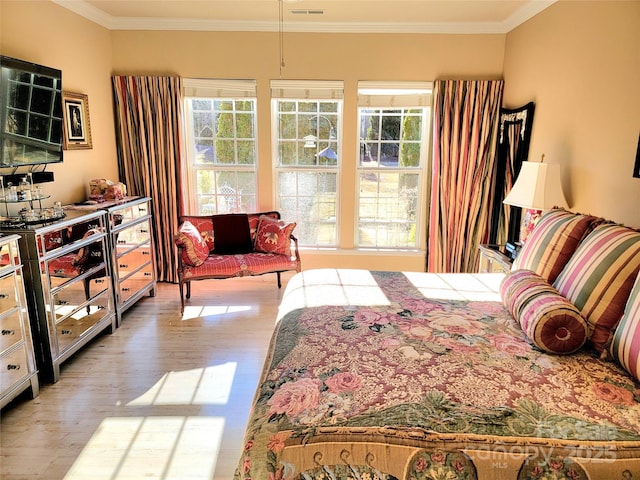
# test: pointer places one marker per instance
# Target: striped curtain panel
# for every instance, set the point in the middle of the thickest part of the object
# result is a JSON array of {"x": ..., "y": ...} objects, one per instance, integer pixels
[
  {"x": 465, "y": 139},
  {"x": 148, "y": 119}
]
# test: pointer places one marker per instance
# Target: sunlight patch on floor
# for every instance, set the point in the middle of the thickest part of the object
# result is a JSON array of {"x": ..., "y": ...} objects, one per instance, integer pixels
[
  {"x": 198, "y": 311},
  {"x": 155, "y": 448},
  {"x": 199, "y": 386}
]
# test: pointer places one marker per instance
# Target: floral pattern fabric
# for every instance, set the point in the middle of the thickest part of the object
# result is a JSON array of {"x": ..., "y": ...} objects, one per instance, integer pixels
[{"x": 436, "y": 385}]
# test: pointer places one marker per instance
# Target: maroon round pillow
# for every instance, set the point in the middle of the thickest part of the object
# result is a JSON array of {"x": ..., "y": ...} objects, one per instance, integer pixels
[{"x": 550, "y": 321}]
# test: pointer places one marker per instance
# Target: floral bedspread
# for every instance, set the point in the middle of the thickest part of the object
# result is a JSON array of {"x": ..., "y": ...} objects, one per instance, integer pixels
[{"x": 373, "y": 379}]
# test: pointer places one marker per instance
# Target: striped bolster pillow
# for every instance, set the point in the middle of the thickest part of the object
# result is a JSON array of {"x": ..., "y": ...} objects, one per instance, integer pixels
[
  {"x": 625, "y": 346},
  {"x": 549, "y": 320},
  {"x": 552, "y": 242},
  {"x": 599, "y": 276}
]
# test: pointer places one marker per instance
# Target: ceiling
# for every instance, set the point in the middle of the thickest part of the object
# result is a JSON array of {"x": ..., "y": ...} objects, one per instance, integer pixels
[{"x": 346, "y": 16}]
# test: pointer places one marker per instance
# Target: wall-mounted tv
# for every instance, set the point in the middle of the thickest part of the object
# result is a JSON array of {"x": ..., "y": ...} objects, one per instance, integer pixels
[{"x": 30, "y": 113}]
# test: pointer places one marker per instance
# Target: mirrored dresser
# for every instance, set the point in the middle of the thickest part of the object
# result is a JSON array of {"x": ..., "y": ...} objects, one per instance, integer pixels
[
  {"x": 17, "y": 362},
  {"x": 131, "y": 248},
  {"x": 68, "y": 282}
]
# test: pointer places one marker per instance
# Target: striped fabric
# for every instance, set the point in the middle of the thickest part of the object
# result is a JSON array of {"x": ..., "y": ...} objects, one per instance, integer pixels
[
  {"x": 599, "y": 276},
  {"x": 549, "y": 320},
  {"x": 552, "y": 242},
  {"x": 625, "y": 347},
  {"x": 148, "y": 118},
  {"x": 465, "y": 139}
]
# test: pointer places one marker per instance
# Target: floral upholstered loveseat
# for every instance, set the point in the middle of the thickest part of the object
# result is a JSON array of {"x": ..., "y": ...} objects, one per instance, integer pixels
[
  {"x": 234, "y": 245},
  {"x": 405, "y": 375}
]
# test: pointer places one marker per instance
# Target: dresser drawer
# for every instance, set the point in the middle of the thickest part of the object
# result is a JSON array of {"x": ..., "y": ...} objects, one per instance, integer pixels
[
  {"x": 132, "y": 213},
  {"x": 14, "y": 367},
  {"x": 8, "y": 293},
  {"x": 10, "y": 330},
  {"x": 136, "y": 282},
  {"x": 72, "y": 295},
  {"x": 132, "y": 260},
  {"x": 72, "y": 327},
  {"x": 134, "y": 235}
]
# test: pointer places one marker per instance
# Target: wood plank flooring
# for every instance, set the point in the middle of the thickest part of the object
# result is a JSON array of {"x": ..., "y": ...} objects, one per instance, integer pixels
[{"x": 163, "y": 397}]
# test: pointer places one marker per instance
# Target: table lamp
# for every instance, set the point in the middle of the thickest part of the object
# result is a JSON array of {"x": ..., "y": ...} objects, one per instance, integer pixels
[{"x": 537, "y": 187}]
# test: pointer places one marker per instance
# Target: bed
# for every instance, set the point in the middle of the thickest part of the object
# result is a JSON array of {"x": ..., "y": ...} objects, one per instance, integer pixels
[{"x": 402, "y": 375}]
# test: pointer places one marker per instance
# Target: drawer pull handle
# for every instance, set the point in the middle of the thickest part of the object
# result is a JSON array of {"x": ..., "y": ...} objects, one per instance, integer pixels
[
  {"x": 142, "y": 209},
  {"x": 147, "y": 274},
  {"x": 8, "y": 332},
  {"x": 144, "y": 231},
  {"x": 146, "y": 252},
  {"x": 101, "y": 307},
  {"x": 65, "y": 332},
  {"x": 99, "y": 280},
  {"x": 123, "y": 265},
  {"x": 122, "y": 241},
  {"x": 3, "y": 296},
  {"x": 125, "y": 289},
  {"x": 62, "y": 302},
  {"x": 13, "y": 367}
]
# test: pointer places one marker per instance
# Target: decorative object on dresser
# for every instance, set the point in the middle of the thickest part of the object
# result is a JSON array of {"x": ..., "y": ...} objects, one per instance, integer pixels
[
  {"x": 131, "y": 248},
  {"x": 67, "y": 276},
  {"x": 17, "y": 361},
  {"x": 537, "y": 188},
  {"x": 243, "y": 244}
]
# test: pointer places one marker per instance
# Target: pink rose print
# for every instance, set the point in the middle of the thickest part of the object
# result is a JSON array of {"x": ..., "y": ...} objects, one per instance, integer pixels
[
  {"x": 555, "y": 465},
  {"x": 295, "y": 397},
  {"x": 276, "y": 442},
  {"x": 342, "y": 382},
  {"x": 613, "y": 394},
  {"x": 368, "y": 318},
  {"x": 421, "y": 465},
  {"x": 246, "y": 465},
  {"x": 419, "y": 306},
  {"x": 510, "y": 345},
  {"x": 438, "y": 457}
]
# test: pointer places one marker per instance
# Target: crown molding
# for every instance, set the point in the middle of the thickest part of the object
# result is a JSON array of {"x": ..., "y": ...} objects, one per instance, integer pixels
[{"x": 96, "y": 15}]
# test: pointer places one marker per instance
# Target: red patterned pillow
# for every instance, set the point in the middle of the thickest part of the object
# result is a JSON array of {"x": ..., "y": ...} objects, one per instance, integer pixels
[
  {"x": 274, "y": 236},
  {"x": 194, "y": 249},
  {"x": 549, "y": 320}
]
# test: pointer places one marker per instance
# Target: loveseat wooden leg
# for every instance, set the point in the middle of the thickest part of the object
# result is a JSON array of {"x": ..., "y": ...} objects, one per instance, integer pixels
[
  {"x": 188, "y": 290},
  {"x": 279, "y": 282}
]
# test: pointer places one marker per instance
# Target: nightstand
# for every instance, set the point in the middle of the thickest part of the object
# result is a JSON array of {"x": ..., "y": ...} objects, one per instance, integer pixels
[{"x": 493, "y": 259}]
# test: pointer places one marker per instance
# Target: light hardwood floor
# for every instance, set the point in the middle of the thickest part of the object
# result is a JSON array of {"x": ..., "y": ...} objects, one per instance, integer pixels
[{"x": 163, "y": 397}]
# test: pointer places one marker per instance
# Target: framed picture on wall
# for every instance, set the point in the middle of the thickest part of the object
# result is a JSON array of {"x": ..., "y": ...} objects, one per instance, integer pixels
[
  {"x": 76, "y": 125},
  {"x": 636, "y": 168}
]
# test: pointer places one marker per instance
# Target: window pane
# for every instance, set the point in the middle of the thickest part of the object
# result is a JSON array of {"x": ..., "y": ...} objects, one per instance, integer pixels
[
  {"x": 221, "y": 135},
  {"x": 391, "y": 149},
  {"x": 307, "y": 164},
  {"x": 310, "y": 199}
]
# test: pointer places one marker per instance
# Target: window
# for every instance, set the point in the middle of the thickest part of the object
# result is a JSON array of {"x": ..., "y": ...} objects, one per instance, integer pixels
[
  {"x": 307, "y": 119},
  {"x": 221, "y": 146},
  {"x": 393, "y": 129}
]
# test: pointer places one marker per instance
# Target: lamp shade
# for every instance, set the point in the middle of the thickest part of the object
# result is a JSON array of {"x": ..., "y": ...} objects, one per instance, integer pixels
[{"x": 537, "y": 187}]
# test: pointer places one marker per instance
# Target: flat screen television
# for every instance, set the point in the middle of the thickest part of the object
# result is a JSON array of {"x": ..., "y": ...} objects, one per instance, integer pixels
[{"x": 30, "y": 113}]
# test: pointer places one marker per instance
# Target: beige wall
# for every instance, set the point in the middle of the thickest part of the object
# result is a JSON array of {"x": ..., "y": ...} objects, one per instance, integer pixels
[
  {"x": 580, "y": 63},
  {"x": 44, "y": 33}
]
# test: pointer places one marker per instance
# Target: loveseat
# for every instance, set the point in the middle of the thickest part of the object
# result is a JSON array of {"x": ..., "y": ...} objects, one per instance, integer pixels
[
  {"x": 408, "y": 375},
  {"x": 234, "y": 245}
]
